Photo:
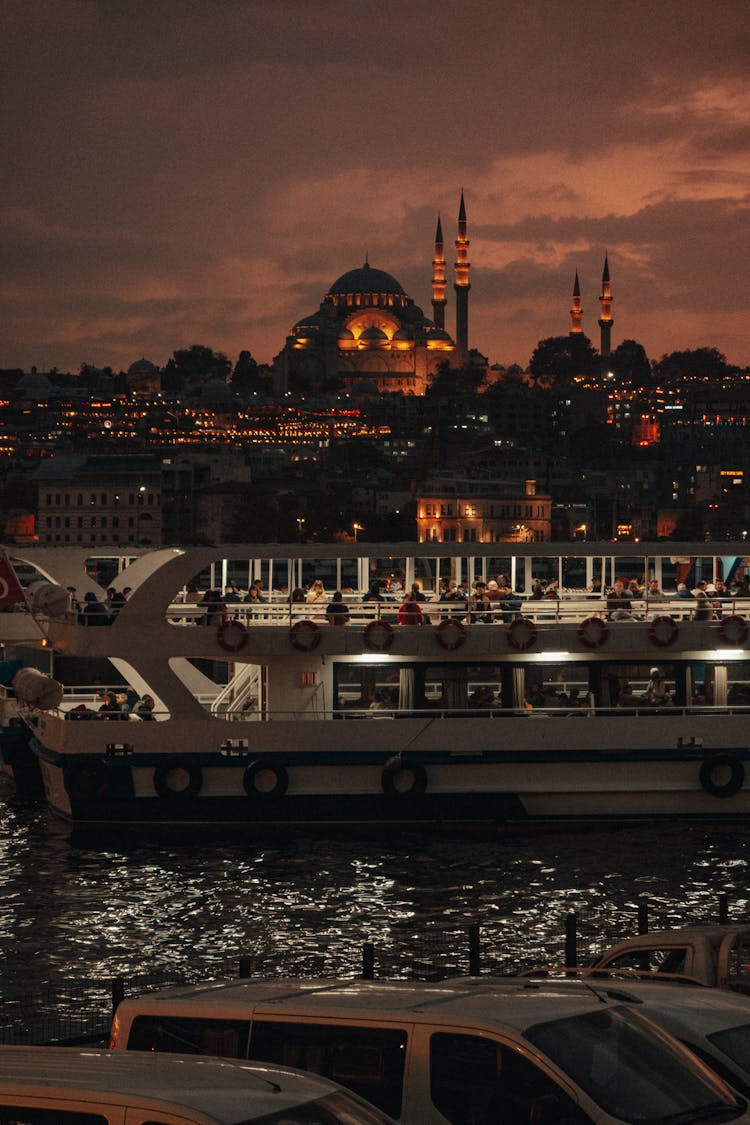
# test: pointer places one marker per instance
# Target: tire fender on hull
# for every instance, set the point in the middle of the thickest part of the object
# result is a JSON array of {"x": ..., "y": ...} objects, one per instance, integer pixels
[{"x": 722, "y": 775}]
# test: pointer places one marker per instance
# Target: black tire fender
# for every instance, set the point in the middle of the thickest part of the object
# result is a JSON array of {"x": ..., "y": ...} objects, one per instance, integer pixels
[
  {"x": 254, "y": 784},
  {"x": 171, "y": 791},
  {"x": 721, "y": 763}
]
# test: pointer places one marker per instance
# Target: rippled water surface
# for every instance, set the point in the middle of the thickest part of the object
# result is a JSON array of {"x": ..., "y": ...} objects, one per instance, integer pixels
[{"x": 306, "y": 905}]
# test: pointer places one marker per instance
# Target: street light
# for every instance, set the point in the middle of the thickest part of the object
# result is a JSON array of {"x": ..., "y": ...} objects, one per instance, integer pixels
[{"x": 355, "y": 528}]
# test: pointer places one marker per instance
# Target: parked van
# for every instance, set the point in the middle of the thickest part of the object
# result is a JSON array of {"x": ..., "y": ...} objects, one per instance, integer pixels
[
  {"x": 68, "y": 1086},
  {"x": 470, "y": 1051}
]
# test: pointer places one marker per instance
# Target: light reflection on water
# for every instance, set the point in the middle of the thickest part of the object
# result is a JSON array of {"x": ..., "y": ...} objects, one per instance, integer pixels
[{"x": 307, "y": 904}]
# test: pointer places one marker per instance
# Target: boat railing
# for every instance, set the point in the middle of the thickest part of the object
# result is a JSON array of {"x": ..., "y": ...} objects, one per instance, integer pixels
[{"x": 568, "y": 609}]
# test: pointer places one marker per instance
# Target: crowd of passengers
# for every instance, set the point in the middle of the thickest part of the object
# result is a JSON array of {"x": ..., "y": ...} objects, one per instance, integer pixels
[
  {"x": 492, "y": 601},
  {"x": 126, "y": 704}
]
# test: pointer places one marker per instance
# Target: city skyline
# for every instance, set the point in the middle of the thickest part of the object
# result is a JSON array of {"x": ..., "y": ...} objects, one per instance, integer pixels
[{"x": 187, "y": 173}]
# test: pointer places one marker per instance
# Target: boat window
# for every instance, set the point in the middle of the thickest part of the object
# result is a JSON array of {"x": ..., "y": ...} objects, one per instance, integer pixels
[
  {"x": 631, "y": 1069},
  {"x": 476, "y": 1081},
  {"x": 367, "y": 1060},
  {"x": 186, "y": 1036}
]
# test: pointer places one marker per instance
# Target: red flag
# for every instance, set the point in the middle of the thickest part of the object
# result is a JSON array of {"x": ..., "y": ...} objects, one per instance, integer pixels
[{"x": 10, "y": 587}]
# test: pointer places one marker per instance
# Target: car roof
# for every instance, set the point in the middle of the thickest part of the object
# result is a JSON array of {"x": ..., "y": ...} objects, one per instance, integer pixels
[
  {"x": 706, "y": 1009},
  {"x": 495, "y": 1003},
  {"x": 714, "y": 934},
  {"x": 219, "y": 1089}
]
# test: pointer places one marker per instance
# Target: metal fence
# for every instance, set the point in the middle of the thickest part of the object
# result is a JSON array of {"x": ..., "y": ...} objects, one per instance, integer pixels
[{"x": 81, "y": 1012}]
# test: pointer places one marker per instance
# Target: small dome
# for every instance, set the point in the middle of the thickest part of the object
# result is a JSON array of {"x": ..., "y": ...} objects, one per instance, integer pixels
[
  {"x": 402, "y": 334},
  {"x": 413, "y": 313},
  {"x": 217, "y": 392},
  {"x": 438, "y": 334},
  {"x": 33, "y": 386},
  {"x": 373, "y": 335},
  {"x": 143, "y": 366},
  {"x": 365, "y": 280},
  {"x": 365, "y": 387},
  {"x": 346, "y": 334}
]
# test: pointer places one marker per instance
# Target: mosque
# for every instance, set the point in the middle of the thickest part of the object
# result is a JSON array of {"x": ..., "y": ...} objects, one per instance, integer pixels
[{"x": 369, "y": 333}]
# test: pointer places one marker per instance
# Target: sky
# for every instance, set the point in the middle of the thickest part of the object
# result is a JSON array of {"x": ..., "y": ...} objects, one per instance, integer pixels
[{"x": 200, "y": 171}]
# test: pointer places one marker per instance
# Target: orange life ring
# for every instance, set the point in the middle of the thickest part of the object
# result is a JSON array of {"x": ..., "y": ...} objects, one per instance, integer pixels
[
  {"x": 450, "y": 634},
  {"x": 304, "y": 635},
  {"x": 378, "y": 635},
  {"x": 663, "y": 631},
  {"x": 232, "y": 635},
  {"x": 593, "y": 632},
  {"x": 733, "y": 629},
  {"x": 521, "y": 633}
]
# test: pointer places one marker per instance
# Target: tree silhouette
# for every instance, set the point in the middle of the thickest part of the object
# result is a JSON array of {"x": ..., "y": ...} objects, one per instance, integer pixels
[
  {"x": 560, "y": 358},
  {"x": 630, "y": 363}
]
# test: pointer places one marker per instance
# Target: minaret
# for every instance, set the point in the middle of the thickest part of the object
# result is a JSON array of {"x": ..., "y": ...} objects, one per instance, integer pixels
[
  {"x": 576, "y": 312},
  {"x": 438, "y": 279},
  {"x": 605, "y": 320},
  {"x": 462, "y": 286}
]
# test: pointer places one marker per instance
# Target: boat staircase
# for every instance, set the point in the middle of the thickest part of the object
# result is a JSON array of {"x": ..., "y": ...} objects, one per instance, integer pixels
[{"x": 241, "y": 697}]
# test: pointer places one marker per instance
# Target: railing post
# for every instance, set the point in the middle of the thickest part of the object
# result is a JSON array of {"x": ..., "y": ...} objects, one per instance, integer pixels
[
  {"x": 245, "y": 967},
  {"x": 117, "y": 989},
  {"x": 368, "y": 961},
  {"x": 642, "y": 917},
  {"x": 723, "y": 908},
  {"x": 571, "y": 941},
  {"x": 474, "y": 952}
]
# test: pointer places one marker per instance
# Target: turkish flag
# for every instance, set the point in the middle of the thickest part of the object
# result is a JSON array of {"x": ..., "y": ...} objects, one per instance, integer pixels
[{"x": 10, "y": 587}]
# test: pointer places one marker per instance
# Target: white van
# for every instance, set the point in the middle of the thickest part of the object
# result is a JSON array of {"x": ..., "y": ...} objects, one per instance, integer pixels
[
  {"x": 70, "y": 1086},
  {"x": 470, "y": 1051}
]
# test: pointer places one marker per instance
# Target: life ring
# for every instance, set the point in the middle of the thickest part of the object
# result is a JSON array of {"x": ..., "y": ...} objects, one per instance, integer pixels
[
  {"x": 266, "y": 779},
  {"x": 232, "y": 635},
  {"x": 304, "y": 635},
  {"x": 179, "y": 778},
  {"x": 521, "y": 633},
  {"x": 450, "y": 634},
  {"x": 720, "y": 763},
  {"x": 88, "y": 781},
  {"x": 663, "y": 631},
  {"x": 378, "y": 635},
  {"x": 403, "y": 779},
  {"x": 593, "y": 632},
  {"x": 733, "y": 629}
]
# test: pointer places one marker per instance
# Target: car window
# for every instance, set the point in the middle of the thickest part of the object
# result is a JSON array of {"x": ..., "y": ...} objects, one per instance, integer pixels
[
  {"x": 368, "y": 1060},
  {"x": 476, "y": 1081},
  {"x": 187, "y": 1036},
  {"x": 28, "y": 1115},
  {"x": 653, "y": 960}
]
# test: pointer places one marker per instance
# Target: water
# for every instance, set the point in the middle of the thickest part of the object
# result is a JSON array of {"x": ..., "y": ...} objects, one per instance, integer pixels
[{"x": 305, "y": 905}]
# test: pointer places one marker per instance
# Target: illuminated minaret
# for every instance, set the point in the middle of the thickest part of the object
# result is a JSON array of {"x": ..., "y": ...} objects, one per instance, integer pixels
[
  {"x": 605, "y": 320},
  {"x": 438, "y": 279},
  {"x": 462, "y": 286},
  {"x": 576, "y": 312}
]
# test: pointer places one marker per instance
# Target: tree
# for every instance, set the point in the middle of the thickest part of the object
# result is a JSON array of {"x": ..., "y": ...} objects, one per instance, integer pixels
[
  {"x": 698, "y": 363},
  {"x": 561, "y": 358},
  {"x": 629, "y": 363},
  {"x": 448, "y": 380},
  {"x": 197, "y": 362},
  {"x": 245, "y": 375}
]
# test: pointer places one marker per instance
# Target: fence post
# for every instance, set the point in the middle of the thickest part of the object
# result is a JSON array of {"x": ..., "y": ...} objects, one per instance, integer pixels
[
  {"x": 368, "y": 961},
  {"x": 245, "y": 967},
  {"x": 117, "y": 991},
  {"x": 474, "y": 954},
  {"x": 642, "y": 917},
  {"x": 723, "y": 908},
  {"x": 571, "y": 941}
]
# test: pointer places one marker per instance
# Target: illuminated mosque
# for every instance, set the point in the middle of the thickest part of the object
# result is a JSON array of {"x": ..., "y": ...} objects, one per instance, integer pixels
[{"x": 370, "y": 334}]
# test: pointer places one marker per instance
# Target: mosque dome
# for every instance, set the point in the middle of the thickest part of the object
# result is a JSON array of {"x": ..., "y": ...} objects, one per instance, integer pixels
[
  {"x": 435, "y": 333},
  {"x": 143, "y": 366},
  {"x": 216, "y": 393},
  {"x": 365, "y": 387},
  {"x": 346, "y": 334},
  {"x": 34, "y": 385},
  {"x": 374, "y": 335},
  {"x": 365, "y": 280},
  {"x": 402, "y": 334}
]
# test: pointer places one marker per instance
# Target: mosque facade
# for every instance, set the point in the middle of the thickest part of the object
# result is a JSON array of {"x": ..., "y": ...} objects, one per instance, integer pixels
[{"x": 369, "y": 334}]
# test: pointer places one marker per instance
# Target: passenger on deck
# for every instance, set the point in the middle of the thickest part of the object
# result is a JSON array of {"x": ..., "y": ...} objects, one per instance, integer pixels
[
  {"x": 316, "y": 593},
  {"x": 619, "y": 605},
  {"x": 409, "y": 612},
  {"x": 337, "y": 611},
  {"x": 656, "y": 690},
  {"x": 704, "y": 610},
  {"x": 480, "y": 605},
  {"x": 215, "y": 609},
  {"x": 94, "y": 611},
  {"x": 682, "y": 592},
  {"x": 144, "y": 709}
]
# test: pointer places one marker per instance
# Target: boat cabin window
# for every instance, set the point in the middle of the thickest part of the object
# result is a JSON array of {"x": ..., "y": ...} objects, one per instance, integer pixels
[
  {"x": 476, "y": 1081},
  {"x": 367, "y": 1060}
]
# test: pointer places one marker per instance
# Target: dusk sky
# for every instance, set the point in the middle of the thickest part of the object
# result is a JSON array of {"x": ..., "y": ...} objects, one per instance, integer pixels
[{"x": 200, "y": 171}]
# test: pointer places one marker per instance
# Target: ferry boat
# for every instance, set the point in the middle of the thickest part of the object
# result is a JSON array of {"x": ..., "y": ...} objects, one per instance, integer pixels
[{"x": 529, "y": 705}]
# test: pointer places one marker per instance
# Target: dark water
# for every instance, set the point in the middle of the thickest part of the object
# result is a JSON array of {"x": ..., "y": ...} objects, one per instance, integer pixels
[{"x": 305, "y": 905}]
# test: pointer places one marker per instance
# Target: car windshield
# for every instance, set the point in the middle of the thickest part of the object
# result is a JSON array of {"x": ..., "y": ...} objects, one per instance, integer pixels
[
  {"x": 734, "y": 1042},
  {"x": 632, "y": 1069},
  {"x": 337, "y": 1108}
]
